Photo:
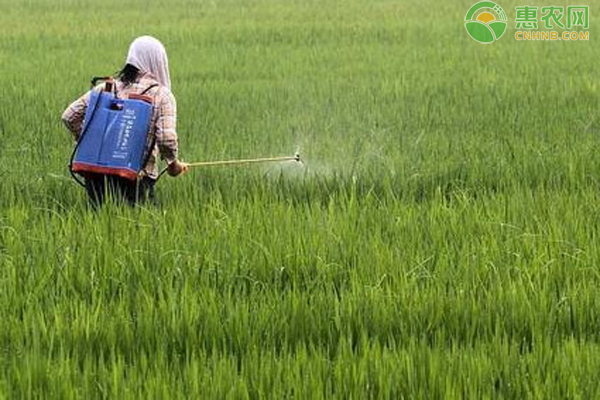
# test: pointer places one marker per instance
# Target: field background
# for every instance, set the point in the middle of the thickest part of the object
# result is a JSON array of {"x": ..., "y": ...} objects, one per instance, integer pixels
[{"x": 441, "y": 240}]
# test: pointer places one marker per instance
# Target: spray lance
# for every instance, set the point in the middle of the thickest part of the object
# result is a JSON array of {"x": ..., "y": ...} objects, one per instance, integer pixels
[{"x": 295, "y": 157}]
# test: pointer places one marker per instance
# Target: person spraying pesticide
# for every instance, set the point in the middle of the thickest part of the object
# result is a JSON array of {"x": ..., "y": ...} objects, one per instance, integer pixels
[{"x": 122, "y": 125}]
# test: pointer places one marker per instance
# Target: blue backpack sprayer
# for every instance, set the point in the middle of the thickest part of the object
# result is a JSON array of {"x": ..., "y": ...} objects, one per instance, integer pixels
[{"x": 115, "y": 134}]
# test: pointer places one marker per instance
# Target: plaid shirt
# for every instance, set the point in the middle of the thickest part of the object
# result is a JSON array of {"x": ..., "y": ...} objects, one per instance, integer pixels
[{"x": 162, "y": 125}]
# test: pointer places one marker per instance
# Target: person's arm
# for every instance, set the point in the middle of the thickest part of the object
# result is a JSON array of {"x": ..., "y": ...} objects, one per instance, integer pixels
[
  {"x": 74, "y": 115},
  {"x": 166, "y": 134}
]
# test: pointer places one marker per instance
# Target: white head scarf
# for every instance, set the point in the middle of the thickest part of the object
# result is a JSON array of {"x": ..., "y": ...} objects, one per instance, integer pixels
[{"x": 149, "y": 55}]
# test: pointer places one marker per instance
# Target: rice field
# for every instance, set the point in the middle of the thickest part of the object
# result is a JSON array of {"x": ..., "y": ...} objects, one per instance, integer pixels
[{"x": 441, "y": 239}]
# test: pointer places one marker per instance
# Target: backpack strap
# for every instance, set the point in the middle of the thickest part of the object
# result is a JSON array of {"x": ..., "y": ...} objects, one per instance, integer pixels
[
  {"x": 95, "y": 79},
  {"x": 148, "y": 88},
  {"x": 151, "y": 148},
  {"x": 143, "y": 96},
  {"x": 109, "y": 83}
]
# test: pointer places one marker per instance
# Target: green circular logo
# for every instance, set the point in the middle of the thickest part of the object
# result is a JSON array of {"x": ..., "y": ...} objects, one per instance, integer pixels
[{"x": 486, "y": 22}]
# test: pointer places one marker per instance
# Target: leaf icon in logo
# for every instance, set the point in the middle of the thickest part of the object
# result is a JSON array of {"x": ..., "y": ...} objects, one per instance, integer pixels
[
  {"x": 498, "y": 27},
  {"x": 481, "y": 32}
]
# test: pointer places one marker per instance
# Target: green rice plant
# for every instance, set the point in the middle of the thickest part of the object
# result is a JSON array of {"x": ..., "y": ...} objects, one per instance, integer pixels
[{"x": 439, "y": 242}]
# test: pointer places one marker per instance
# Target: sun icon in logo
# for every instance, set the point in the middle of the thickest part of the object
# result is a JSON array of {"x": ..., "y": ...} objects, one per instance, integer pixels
[
  {"x": 486, "y": 17},
  {"x": 486, "y": 22}
]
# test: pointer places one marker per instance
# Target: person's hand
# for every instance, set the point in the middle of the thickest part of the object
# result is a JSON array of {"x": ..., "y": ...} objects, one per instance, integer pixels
[{"x": 177, "y": 168}]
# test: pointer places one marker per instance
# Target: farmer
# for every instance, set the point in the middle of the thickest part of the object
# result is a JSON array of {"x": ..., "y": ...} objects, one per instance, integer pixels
[{"x": 146, "y": 65}]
